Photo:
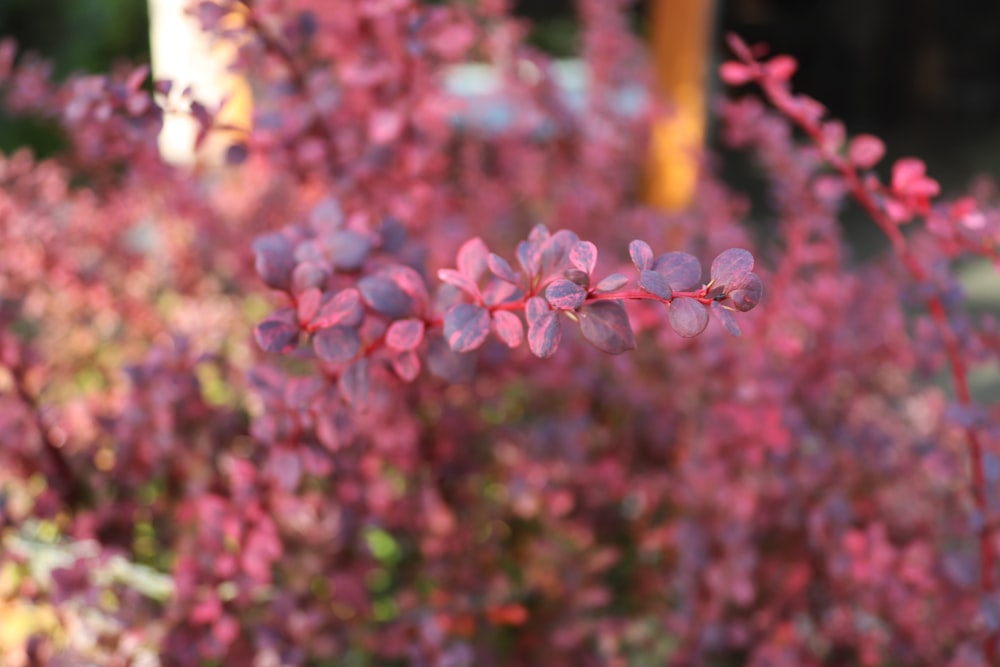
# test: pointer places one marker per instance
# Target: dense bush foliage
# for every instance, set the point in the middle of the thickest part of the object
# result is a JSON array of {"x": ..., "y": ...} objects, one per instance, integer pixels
[{"x": 397, "y": 477}]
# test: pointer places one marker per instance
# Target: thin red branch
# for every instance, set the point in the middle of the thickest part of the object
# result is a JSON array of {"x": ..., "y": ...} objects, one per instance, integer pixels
[{"x": 775, "y": 90}]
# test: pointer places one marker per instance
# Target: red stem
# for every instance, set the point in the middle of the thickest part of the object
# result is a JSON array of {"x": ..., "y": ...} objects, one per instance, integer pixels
[{"x": 935, "y": 307}]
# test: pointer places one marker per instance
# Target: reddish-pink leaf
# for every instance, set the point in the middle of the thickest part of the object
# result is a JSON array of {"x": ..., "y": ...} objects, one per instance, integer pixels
[
  {"x": 354, "y": 384},
  {"x": 606, "y": 326},
  {"x": 406, "y": 365},
  {"x": 466, "y": 327},
  {"x": 308, "y": 305},
  {"x": 459, "y": 280},
  {"x": 583, "y": 255},
  {"x": 781, "y": 67},
  {"x": 508, "y": 328},
  {"x": 734, "y": 73},
  {"x": 501, "y": 268},
  {"x": 612, "y": 282},
  {"x": 688, "y": 317},
  {"x": 738, "y": 46},
  {"x": 536, "y": 308},
  {"x": 564, "y": 294},
  {"x": 641, "y": 254},
  {"x": 410, "y": 281},
  {"x": 404, "y": 335},
  {"x": 865, "y": 151},
  {"x": 337, "y": 345},
  {"x": 472, "y": 258},
  {"x": 544, "y": 335},
  {"x": 342, "y": 308}
]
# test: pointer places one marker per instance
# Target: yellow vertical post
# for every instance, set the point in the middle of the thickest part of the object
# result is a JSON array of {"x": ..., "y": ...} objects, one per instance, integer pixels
[
  {"x": 680, "y": 33},
  {"x": 188, "y": 57}
]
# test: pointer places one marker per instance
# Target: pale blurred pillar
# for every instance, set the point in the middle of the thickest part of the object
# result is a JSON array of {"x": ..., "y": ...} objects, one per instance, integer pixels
[
  {"x": 681, "y": 33},
  {"x": 182, "y": 53}
]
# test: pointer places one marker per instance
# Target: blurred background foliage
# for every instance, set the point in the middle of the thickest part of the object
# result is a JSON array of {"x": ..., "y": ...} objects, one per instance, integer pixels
[
  {"x": 88, "y": 36},
  {"x": 925, "y": 74}
]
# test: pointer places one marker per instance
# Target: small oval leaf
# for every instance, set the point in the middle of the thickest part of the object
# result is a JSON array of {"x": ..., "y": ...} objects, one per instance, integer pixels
[
  {"x": 404, "y": 335},
  {"x": 471, "y": 258},
  {"x": 612, "y": 282},
  {"x": 606, "y": 326},
  {"x": 406, "y": 365},
  {"x": 347, "y": 249},
  {"x": 745, "y": 294},
  {"x": 536, "y": 309},
  {"x": 564, "y": 294},
  {"x": 688, "y": 317},
  {"x": 726, "y": 317},
  {"x": 343, "y": 308},
  {"x": 459, "y": 280},
  {"x": 501, "y": 268},
  {"x": 466, "y": 327},
  {"x": 655, "y": 284},
  {"x": 384, "y": 296},
  {"x": 276, "y": 336},
  {"x": 337, "y": 345},
  {"x": 544, "y": 335},
  {"x": 354, "y": 384},
  {"x": 731, "y": 265},
  {"x": 275, "y": 259},
  {"x": 641, "y": 254},
  {"x": 508, "y": 328},
  {"x": 681, "y": 270},
  {"x": 584, "y": 256}
]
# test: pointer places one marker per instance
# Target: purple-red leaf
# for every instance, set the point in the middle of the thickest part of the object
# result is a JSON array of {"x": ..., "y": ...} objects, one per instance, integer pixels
[
  {"x": 404, "y": 335},
  {"x": 410, "y": 281},
  {"x": 384, "y": 296},
  {"x": 406, "y": 365},
  {"x": 681, "y": 270},
  {"x": 275, "y": 259},
  {"x": 564, "y": 294},
  {"x": 612, "y": 282},
  {"x": 865, "y": 151},
  {"x": 337, "y": 345},
  {"x": 309, "y": 274},
  {"x": 343, "y": 308},
  {"x": 584, "y": 256},
  {"x": 688, "y": 317},
  {"x": 605, "y": 325},
  {"x": 276, "y": 336},
  {"x": 726, "y": 317},
  {"x": 508, "y": 328},
  {"x": 459, "y": 280},
  {"x": 731, "y": 265},
  {"x": 354, "y": 384},
  {"x": 536, "y": 308},
  {"x": 308, "y": 305},
  {"x": 654, "y": 283},
  {"x": 501, "y": 268},
  {"x": 641, "y": 254},
  {"x": 544, "y": 334},
  {"x": 472, "y": 258},
  {"x": 347, "y": 249},
  {"x": 745, "y": 293},
  {"x": 466, "y": 327}
]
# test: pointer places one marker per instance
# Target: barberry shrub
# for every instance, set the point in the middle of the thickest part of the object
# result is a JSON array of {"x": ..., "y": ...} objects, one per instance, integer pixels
[{"x": 371, "y": 395}]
